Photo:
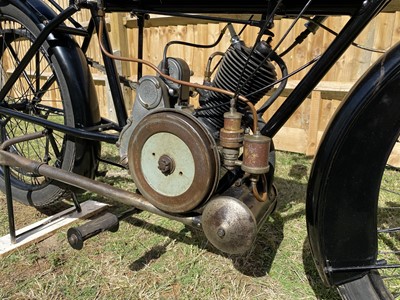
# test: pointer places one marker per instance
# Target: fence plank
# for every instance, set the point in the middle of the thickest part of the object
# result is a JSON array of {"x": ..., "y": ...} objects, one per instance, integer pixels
[
  {"x": 305, "y": 128},
  {"x": 162, "y": 20},
  {"x": 315, "y": 113}
]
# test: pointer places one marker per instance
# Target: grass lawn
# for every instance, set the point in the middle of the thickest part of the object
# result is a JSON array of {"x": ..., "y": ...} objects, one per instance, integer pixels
[{"x": 151, "y": 257}]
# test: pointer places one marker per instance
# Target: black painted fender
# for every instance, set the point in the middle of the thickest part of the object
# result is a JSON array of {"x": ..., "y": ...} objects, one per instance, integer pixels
[
  {"x": 80, "y": 82},
  {"x": 345, "y": 178}
]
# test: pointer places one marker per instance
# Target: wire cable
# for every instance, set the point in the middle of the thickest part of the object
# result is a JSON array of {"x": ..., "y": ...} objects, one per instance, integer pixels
[
  {"x": 275, "y": 48},
  {"x": 336, "y": 34},
  {"x": 182, "y": 82}
]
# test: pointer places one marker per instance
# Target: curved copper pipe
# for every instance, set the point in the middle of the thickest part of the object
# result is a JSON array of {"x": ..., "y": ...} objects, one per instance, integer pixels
[
  {"x": 264, "y": 196},
  {"x": 193, "y": 85}
]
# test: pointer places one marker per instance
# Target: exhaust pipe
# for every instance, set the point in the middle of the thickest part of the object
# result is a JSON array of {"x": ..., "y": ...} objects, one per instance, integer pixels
[{"x": 79, "y": 181}]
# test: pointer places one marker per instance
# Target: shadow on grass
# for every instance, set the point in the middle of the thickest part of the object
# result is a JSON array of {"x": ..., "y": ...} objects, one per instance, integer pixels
[
  {"x": 259, "y": 261},
  {"x": 321, "y": 291},
  {"x": 255, "y": 264},
  {"x": 158, "y": 250},
  {"x": 153, "y": 254}
]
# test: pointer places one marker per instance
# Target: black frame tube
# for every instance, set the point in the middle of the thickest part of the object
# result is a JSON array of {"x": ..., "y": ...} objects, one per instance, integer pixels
[
  {"x": 75, "y": 132},
  {"x": 289, "y": 7},
  {"x": 10, "y": 206},
  {"x": 140, "y": 22},
  {"x": 7, "y": 179},
  {"x": 295, "y": 99},
  {"x": 47, "y": 30},
  {"x": 352, "y": 29},
  {"x": 112, "y": 73}
]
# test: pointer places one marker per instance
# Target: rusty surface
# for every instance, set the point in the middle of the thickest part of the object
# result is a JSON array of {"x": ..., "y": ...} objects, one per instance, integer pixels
[
  {"x": 231, "y": 135},
  {"x": 108, "y": 191},
  {"x": 232, "y": 120},
  {"x": 166, "y": 165},
  {"x": 201, "y": 146},
  {"x": 23, "y": 138},
  {"x": 229, "y": 225},
  {"x": 256, "y": 154}
]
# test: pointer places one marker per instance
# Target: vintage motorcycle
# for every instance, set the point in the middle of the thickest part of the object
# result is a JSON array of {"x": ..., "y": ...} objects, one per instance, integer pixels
[{"x": 211, "y": 167}]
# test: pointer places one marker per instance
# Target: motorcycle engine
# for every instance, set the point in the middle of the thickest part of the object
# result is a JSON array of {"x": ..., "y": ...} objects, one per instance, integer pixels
[
  {"x": 257, "y": 74},
  {"x": 173, "y": 151}
]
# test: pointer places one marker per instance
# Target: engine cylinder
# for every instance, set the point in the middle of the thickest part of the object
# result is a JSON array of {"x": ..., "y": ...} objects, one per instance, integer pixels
[{"x": 256, "y": 76}]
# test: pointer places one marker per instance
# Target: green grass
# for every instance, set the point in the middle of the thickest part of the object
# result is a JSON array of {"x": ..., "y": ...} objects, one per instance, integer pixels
[
  {"x": 388, "y": 217},
  {"x": 151, "y": 257}
]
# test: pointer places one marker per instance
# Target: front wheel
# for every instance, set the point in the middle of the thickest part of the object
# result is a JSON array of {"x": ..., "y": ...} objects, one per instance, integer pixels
[
  {"x": 353, "y": 202},
  {"x": 43, "y": 90},
  {"x": 383, "y": 283},
  {"x": 370, "y": 287}
]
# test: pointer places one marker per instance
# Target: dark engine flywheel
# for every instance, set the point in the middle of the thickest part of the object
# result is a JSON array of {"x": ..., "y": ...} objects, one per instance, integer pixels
[{"x": 173, "y": 160}]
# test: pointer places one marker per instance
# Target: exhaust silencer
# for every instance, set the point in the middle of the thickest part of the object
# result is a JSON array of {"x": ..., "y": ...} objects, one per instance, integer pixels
[{"x": 229, "y": 225}]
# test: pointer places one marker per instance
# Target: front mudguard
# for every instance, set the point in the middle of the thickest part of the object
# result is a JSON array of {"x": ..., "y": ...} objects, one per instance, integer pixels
[
  {"x": 80, "y": 85},
  {"x": 345, "y": 179}
]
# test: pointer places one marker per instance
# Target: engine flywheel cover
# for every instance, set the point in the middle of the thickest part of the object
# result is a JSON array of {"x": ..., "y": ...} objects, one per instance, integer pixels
[{"x": 173, "y": 160}]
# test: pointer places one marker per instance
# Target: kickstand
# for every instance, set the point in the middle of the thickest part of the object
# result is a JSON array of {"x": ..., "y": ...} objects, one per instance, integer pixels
[
  {"x": 76, "y": 203},
  {"x": 7, "y": 183},
  {"x": 10, "y": 207}
]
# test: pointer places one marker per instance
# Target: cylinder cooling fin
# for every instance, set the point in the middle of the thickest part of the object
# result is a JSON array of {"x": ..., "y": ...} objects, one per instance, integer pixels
[{"x": 242, "y": 64}]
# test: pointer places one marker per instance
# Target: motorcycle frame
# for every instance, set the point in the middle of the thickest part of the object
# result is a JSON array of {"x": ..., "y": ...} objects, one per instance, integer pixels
[
  {"x": 318, "y": 229},
  {"x": 352, "y": 29}
]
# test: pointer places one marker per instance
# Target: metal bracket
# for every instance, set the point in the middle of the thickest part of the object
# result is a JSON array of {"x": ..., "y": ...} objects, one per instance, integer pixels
[
  {"x": 7, "y": 182},
  {"x": 380, "y": 264}
]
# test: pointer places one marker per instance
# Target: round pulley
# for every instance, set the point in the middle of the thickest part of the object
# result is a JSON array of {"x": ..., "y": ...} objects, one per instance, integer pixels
[
  {"x": 229, "y": 225},
  {"x": 173, "y": 160}
]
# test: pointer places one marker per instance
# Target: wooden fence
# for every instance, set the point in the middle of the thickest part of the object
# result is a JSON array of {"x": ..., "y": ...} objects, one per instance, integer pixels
[{"x": 303, "y": 131}]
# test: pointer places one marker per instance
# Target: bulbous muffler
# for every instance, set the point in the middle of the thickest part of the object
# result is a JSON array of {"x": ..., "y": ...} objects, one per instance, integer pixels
[
  {"x": 229, "y": 225},
  {"x": 232, "y": 220}
]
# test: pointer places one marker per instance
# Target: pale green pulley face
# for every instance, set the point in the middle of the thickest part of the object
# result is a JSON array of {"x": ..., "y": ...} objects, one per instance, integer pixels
[
  {"x": 167, "y": 164},
  {"x": 173, "y": 160}
]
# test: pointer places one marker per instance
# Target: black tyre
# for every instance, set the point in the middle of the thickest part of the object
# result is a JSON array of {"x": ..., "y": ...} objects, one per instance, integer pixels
[
  {"x": 353, "y": 197},
  {"x": 384, "y": 283},
  {"x": 370, "y": 287},
  {"x": 43, "y": 91}
]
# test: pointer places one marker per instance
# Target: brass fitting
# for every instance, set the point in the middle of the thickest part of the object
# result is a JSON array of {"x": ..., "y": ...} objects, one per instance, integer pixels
[
  {"x": 256, "y": 154},
  {"x": 231, "y": 135}
]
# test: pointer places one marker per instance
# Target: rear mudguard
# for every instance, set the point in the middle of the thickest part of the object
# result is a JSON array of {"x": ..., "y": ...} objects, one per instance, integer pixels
[
  {"x": 80, "y": 83},
  {"x": 345, "y": 179}
]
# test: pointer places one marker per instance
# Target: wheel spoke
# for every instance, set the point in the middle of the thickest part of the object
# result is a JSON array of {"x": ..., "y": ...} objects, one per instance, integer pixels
[
  {"x": 36, "y": 86},
  {"x": 389, "y": 231},
  {"x": 46, "y": 87},
  {"x": 37, "y": 72},
  {"x": 17, "y": 61}
]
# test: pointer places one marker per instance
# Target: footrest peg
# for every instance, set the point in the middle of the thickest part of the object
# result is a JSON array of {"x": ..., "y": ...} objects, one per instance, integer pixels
[{"x": 77, "y": 235}]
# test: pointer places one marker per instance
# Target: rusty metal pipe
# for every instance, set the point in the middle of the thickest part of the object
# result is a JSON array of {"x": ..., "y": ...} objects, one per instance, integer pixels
[
  {"x": 182, "y": 82},
  {"x": 23, "y": 138},
  {"x": 128, "y": 198}
]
